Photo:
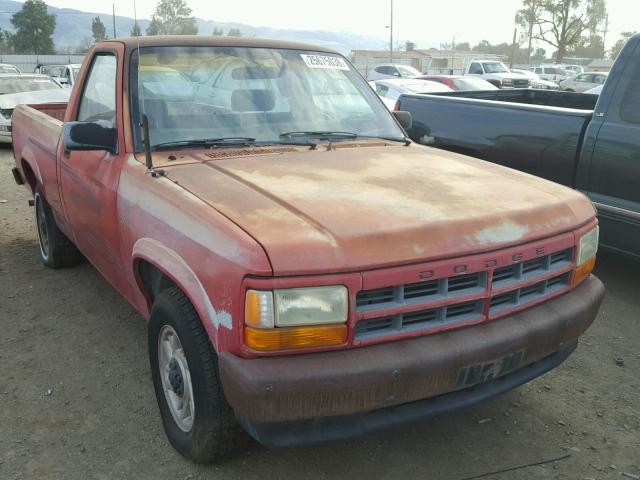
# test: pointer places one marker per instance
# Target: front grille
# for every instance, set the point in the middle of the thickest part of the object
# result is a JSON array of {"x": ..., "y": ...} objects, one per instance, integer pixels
[
  {"x": 501, "y": 289},
  {"x": 521, "y": 83}
]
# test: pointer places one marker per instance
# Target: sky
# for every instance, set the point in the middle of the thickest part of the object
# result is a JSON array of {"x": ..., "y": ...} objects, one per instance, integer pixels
[{"x": 425, "y": 22}]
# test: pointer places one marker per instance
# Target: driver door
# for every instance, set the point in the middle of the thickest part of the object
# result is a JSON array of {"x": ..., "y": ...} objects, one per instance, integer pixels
[{"x": 89, "y": 179}]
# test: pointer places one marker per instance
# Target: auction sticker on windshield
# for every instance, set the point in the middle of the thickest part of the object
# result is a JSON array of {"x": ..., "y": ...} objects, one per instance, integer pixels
[{"x": 324, "y": 61}]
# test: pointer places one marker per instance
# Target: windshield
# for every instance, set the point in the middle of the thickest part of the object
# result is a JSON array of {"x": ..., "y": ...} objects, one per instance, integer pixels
[
  {"x": 407, "y": 71},
  {"x": 22, "y": 84},
  {"x": 494, "y": 67},
  {"x": 193, "y": 93}
]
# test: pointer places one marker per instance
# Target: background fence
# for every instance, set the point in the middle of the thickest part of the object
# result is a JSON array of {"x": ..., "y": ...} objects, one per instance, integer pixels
[{"x": 27, "y": 63}]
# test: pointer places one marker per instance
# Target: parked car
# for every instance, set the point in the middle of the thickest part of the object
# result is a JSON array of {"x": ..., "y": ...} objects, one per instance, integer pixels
[
  {"x": 587, "y": 142},
  {"x": 391, "y": 89},
  {"x": 16, "y": 89},
  {"x": 307, "y": 274},
  {"x": 460, "y": 82},
  {"x": 8, "y": 68},
  {"x": 496, "y": 73},
  {"x": 536, "y": 81},
  {"x": 63, "y": 74},
  {"x": 392, "y": 71},
  {"x": 584, "y": 81},
  {"x": 552, "y": 73}
]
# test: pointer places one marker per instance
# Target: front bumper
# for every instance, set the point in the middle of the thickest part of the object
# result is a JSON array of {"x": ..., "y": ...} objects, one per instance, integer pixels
[{"x": 324, "y": 396}]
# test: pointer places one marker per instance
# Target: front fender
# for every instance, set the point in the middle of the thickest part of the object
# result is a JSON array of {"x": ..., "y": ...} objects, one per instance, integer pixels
[{"x": 171, "y": 264}]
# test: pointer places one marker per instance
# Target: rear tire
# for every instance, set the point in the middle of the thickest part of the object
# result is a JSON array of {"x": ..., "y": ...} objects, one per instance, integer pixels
[
  {"x": 56, "y": 250},
  {"x": 197, "y": 419}
]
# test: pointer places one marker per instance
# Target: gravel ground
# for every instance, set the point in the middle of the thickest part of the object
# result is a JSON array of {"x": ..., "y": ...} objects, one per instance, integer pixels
[{"x": 77, "y": 399}]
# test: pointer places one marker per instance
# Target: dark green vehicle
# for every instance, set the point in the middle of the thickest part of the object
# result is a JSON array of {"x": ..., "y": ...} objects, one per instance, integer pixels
[{"x": 589, "y": 142}]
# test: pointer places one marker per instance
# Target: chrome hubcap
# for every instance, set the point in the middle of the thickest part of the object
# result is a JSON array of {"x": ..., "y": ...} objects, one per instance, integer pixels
[
  {"x": 176, "y": 379},
  {"x": 43, "y": 233}
]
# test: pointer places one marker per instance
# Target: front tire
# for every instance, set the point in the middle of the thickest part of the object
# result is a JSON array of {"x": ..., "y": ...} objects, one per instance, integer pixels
[
  {"x": 56, "y": 250},
  {"x": 197, "y": 419}
]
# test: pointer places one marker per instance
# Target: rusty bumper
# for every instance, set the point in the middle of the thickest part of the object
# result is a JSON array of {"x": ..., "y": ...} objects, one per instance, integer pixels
[{"x": 276, "y": 394}]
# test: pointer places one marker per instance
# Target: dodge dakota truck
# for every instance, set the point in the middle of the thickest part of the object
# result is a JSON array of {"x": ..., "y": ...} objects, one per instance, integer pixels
[
  {"x": 588, "y": 142},
  {"x": 308, "y": 273}
]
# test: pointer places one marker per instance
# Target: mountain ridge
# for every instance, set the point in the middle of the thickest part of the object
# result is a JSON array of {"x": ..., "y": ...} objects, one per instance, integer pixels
[{"x": 73, "y": 30}]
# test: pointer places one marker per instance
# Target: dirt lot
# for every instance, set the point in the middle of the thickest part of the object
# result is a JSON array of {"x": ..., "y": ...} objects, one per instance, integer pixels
[{"x": 77, "y": 400}]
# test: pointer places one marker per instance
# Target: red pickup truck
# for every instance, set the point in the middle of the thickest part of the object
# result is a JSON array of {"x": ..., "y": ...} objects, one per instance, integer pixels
[{"x": 307, "y": 272}]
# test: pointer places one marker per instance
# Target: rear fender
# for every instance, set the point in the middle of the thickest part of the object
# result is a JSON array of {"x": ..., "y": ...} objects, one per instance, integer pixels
[{"x": 171, "y": 264}]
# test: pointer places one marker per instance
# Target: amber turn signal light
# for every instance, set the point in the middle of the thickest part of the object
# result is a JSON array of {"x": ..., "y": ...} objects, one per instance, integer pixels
[
  {"x": 583, "y": 271},
  {"x": 273, "y": 339}
]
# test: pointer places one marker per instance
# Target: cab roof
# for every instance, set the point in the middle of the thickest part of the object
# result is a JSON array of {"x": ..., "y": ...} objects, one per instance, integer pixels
[{"x": 132, "y": 43}]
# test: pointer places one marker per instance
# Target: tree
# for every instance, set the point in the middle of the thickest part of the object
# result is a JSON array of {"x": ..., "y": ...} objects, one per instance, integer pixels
[
  {"x": 234, "y": 32},
  {"x": 217, "y": 32},
  {"x": 135, "y": 31},
  {"x": 526, "y": 18},
  {"x": 98, "y": 30},
  {"x": 34, "y": 28},
  {"x": 172, "y": 17},
  {"x": 6, "y": 41},
  {"x": 615, "y": 50},
  {"x": 538, "y": 56},
  {"x": 562, "y": 23},
  {"x": 592, "y": 47},
  {"x": 463, "y": 47}
]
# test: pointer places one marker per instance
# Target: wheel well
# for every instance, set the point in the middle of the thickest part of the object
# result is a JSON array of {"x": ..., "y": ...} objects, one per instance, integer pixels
[
  {"x": 29, "y": 176},
  {"x": 153, "y": 280}
]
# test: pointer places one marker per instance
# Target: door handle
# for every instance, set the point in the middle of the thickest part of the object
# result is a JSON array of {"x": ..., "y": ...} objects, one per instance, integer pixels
[{"x": 66, "y": 153}]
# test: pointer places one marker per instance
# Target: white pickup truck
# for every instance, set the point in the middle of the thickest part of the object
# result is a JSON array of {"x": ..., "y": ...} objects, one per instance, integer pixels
[{"x": 496, "y": 73}]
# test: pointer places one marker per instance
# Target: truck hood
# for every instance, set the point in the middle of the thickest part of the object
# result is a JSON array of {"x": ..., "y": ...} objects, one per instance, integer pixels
[
  {"x": 359, "y": 207},
  {"x": 12, "y": 100}
]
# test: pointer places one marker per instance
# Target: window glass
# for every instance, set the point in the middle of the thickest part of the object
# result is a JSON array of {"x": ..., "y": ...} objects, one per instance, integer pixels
[
  {"x": 538, "y": 70},
  {"x": 381, "y": 89},
  {"x": 260, "y": 93},
  {"x": 475, "y": 69},
  {"x": 599, "y": 79},
  {"x": 98, "y": 101},
  {"x": 630, "y": 106},
  {"x": 383, "y": 70},
  {"x": 494, "y": 67},
  {"x": 408, "y": 71}
]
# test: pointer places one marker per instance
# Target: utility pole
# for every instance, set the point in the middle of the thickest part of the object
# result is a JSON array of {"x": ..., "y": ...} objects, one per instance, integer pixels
[
  {"x": 391, "y": 35},
  {"x": 604, "y": 34},
  {"x": 513, "y": 50},
  {"x": 113, "y": 5}
]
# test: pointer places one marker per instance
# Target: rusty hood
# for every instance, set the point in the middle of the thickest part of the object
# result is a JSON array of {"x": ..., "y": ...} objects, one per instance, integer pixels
[{"x": 371, "y": 206}]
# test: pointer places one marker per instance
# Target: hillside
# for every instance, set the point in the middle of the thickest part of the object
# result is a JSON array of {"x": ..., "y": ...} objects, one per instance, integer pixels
[{"x": 73, "y": 29}]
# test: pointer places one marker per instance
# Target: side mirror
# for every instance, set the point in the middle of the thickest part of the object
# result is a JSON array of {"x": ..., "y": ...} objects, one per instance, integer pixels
[
  {"x": 98, "y": 135},
  {"x": 404, "y": 119},
  {"x": 63, "y": 81}
]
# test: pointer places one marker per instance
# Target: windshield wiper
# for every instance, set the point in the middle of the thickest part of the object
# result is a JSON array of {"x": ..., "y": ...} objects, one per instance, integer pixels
[
  {"x": 329, "y": 135},
  {"x": 206, "y": 142},
  {"x": 322, "y": 135}
]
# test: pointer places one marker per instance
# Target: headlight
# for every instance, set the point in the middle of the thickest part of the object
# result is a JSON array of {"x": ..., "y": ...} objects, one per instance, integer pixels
[
  {"x": 285, "y": 319},
  {"x": 587, "y": 249},
  {"x": 506, "y": 81},
  {"x": 588, "y": 246}
]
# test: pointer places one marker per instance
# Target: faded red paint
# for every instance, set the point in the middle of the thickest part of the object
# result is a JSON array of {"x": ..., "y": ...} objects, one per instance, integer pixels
[{"x": 362, "y": 215}]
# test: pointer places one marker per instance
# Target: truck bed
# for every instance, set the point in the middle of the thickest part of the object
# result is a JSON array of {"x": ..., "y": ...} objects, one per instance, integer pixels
[
  {"x": 36, "y": 132},
  {"x": 538, "y": 132}
]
